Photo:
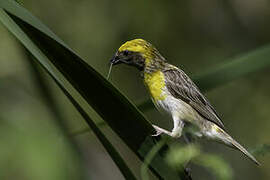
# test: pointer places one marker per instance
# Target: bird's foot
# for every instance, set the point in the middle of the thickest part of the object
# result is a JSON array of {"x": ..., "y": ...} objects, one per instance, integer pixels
[{"x": 159, "y": 131}]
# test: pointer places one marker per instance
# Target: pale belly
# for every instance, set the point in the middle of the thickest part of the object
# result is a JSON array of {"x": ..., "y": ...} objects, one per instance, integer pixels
[{"x": 177, "y": 107}]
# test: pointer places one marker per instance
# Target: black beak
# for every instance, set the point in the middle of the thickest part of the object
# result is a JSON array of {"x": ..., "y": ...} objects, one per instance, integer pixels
[{"x": 115, "y": 60}]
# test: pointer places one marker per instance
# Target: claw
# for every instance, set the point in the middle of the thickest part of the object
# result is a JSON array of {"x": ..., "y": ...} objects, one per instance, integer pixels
[{"x": 159, "y": 131}]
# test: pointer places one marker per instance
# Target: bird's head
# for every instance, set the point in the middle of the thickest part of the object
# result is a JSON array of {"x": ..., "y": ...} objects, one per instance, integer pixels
[{"x": 137, "y": 52}]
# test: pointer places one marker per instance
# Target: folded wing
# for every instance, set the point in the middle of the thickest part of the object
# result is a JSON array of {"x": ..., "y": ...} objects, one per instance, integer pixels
[{"x": 182, "y": 87}]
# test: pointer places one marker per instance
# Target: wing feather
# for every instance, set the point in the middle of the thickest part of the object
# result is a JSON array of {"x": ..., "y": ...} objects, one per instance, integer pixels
[{"x": 182, "y": 87}]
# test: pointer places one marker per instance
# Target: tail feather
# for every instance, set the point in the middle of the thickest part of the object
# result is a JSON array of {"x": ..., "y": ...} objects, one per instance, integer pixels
[
  {"x": 243, "y": 150},
  {"x": 220, "y": 135}
]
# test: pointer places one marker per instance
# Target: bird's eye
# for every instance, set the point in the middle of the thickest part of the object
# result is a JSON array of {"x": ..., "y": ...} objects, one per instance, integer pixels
[{"x": 126, "y": 52}]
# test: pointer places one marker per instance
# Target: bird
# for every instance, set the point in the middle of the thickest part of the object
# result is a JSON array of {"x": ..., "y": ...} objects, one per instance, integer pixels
[{"x": 172, "y": 90}]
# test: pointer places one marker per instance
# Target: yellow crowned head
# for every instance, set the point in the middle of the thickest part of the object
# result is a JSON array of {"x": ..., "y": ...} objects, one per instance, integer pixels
[
  {"x": 140, "y": 46},
  {"x": 138, "y": 53}
]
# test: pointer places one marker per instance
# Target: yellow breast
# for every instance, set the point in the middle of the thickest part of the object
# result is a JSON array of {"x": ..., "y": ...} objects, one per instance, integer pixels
[{"x": 155, "y": 82}]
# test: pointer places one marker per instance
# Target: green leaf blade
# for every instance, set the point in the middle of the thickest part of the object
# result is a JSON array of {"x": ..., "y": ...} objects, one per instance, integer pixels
[{"x": 121, "y": 115}]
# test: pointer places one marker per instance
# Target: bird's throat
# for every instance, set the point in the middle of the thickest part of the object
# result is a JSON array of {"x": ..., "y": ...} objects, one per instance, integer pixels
[{"x": 155, "y": 82}]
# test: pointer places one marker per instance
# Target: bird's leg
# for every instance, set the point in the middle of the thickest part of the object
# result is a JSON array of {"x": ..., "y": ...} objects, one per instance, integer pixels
[
  {"x": 178, "y": 125},
  {"x": 160, "y": 131}
]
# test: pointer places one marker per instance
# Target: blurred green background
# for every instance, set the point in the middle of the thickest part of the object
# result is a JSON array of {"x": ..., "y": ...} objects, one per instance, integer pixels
[{"x": 194, "y": 35}]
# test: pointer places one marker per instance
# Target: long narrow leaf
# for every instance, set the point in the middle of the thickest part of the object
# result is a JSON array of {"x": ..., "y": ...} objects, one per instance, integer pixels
[
  {"x": 123, "y": 167},
  {"x": 121, "y": 115},
  {"x": 42, "y": 58}
]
